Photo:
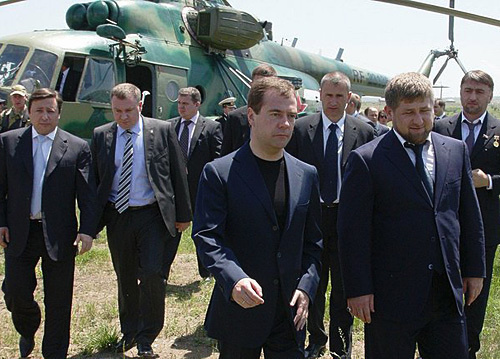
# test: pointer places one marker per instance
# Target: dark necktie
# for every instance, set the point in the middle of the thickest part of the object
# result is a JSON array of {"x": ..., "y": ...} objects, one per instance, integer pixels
[
  {"x": 330, "y": 177},
  {"x": 123, "y": 195},
  {"x": 469, "y": 141},
  {"x": 424, "y": 175},
  {"x": 184, "y": 139}
]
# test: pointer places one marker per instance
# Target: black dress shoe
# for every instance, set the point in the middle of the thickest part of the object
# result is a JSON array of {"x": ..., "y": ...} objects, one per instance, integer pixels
[
  {"x": 314, "y": 351},
  {"x": 26, "y": 346},
  {"x": 124, "y": 345},
  {"x": 144, "y": 350}
]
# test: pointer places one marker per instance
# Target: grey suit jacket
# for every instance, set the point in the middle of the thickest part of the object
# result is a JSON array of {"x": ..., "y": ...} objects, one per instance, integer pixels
[{"x": 164, "y": 165}]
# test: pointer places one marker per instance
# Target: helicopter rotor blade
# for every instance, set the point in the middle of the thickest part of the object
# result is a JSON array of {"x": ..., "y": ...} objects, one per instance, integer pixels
[
  {"x": 451, "y": 24},
  {"x": 440, "y": 71},
  {"x": 8, "y": 2},
  {"x": 460, "y": 64},
  {"x": 444, "y": 10}
]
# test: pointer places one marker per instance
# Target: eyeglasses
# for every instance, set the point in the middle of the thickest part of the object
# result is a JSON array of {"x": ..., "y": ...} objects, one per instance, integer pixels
[{"x": 382, "y": 116}]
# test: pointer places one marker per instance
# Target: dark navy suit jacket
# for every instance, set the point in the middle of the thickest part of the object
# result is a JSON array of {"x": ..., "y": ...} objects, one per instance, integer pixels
[
  {"x": 486, "y": 157},
  {"x": 388, "y": 225},
  {"x": 237, "y": 236}
]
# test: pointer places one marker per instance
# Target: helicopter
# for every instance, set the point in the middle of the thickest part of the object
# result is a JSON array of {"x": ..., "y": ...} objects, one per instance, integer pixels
[{"x": 161, "y": 46}]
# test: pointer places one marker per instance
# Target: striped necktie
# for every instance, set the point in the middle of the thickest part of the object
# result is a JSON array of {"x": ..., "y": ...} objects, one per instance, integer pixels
[
  {"x": 184, "y": 139},
  {"x": 123, "y": 195}
]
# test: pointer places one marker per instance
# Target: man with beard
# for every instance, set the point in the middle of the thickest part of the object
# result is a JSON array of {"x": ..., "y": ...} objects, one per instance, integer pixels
[
  {"x": 481, "y": 132},
  {"x": 411, "y": 239}
]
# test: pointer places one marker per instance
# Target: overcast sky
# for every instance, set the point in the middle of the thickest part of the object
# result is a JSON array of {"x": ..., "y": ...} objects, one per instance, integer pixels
[{"x": 385, "y": 38}]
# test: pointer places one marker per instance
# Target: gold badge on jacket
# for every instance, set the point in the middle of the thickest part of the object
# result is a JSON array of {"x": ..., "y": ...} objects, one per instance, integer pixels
[{"x": 495, "y": 140}]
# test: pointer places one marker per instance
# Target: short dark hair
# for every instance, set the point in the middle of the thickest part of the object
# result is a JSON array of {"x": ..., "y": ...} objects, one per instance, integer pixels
[
  {"x": 264, "y": 70},
  {"x": 440, "y": 103},
  {"x": 408, "y": 86},
  {"x": 192, "y": 92},
  {"x": 260, "y": 87},
  {"x": 478, "y": 76},
  {"x": 126, "y": 90},
  {"x": 44, "y": 93}
]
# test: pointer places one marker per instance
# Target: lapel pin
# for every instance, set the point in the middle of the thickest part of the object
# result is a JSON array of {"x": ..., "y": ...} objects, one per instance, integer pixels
[
  {"x": 485, "y": 136},
  {"x": 496, "y": 138}
]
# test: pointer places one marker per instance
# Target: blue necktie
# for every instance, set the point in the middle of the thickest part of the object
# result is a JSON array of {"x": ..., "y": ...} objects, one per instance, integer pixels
[
  {"x": 123, "y": 195},
  {"x": 469, "y": 141},
  {"x": 424, "y": 175},
  {"x": 330, "y": 166},
  {"x": 39, "y": 165}
]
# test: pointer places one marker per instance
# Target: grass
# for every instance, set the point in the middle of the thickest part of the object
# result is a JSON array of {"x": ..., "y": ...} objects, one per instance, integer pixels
[{"x": 95, "y": 328}]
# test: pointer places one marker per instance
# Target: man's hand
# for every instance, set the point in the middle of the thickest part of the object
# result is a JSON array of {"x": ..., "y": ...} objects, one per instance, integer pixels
[
  {"x": 247, "y": 293},
  {"x": 362, "y": 307},
  {"x": 479, "y": 178},
  {"x": 300, "y": 299},
  {"x": 472, "y": 289},
  {"x": 4, "y": 237},
  {"x": 86, "y": 242},
  {"x": 182, "y": 226}
]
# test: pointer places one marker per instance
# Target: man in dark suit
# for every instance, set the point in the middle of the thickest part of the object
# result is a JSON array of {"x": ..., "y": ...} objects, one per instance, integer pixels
[
  {"x": 43, "y": 170},
  {"x": 68, "y": 81},
  {"x": 200, "y": 141},
  {"x": 371, "y": 114},
  {"x": 144, "y": 199},
  {"x": 237, "y": 129},
  {"x": 476, "y": 92},
  {"x": 411, "y": 239},
  {"x": 256, "y": 229},
  {"x": 314, "y": 142},
  {"x": 439, "y": 107}
]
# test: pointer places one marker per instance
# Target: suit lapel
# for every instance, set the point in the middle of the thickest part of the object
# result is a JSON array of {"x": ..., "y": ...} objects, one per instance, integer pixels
[
  {"x": 485, "y": 136},
  {"x": 200, "y": 125},
  {"x": 442, "y": 161},
  {"x": 148, "y": 137},
  {"x": 59, "y": 148},
  {"x": 246, "y": 167},
  {"x": 110, "y": 145},
  {"x": 398, "y": 156},
  {"x": 25, "y": 146},
  {"x": 350, "y": 138},
  {"x": 315, "y": 133},
  {"x": 294, "y": 175}
]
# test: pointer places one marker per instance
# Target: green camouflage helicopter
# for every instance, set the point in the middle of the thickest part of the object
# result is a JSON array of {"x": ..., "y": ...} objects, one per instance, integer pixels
[{"x": 161, "y": 46}]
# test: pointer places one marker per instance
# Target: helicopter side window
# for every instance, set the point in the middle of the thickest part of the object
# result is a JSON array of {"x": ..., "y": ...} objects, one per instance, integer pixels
[
  {"x": 11, "y": 60},
  {"x": 98, "y": 81},
  {"x": 39, "y": 70}
]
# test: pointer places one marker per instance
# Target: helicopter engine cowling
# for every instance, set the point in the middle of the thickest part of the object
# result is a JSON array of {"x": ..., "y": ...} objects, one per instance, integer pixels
[
  {"x": 87, "y": 16},
  {"x": 226, "y": 28}
]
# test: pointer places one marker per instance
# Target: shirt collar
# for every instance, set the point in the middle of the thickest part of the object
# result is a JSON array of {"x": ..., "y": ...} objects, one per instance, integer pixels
[
  {"x": 194, "y": 119},
  {"x": 326, "y": 121},
  {"x": 51, "y": 135},
  {"x": 136, "y": 129},
  {"x": 479, "y": 120},
  {"x": 402, "y": 140}
]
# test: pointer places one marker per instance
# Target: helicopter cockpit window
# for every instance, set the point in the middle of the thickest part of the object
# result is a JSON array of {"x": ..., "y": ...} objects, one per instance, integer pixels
[
  {"x": 11, "y": 60},
  {"x": 39, "y": 70},
  {"x": 98, "y": 80}
]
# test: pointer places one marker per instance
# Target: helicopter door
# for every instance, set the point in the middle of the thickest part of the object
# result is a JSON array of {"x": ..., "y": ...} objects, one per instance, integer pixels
[
  {"x": 142, "y": 77},
  {"x": 169, "y": 80}
]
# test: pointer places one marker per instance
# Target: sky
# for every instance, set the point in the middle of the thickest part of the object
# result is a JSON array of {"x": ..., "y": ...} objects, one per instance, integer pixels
[{"x": 388, "y": 39}]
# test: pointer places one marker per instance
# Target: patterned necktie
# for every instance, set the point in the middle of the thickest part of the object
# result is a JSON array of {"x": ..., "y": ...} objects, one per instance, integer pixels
[
  {"x": 39, "y": 165},
  {"x": 469, "y": 141},
  {"x": 184, "y": 139},
  {"x": 123, "y": 195},
  {"x": 330, "y": 166},
  {"x": 424, "y": 175}
]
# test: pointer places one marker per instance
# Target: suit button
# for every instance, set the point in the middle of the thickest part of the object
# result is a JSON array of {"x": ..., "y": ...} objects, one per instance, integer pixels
[
  {"x": 433, "y": 239},
  {"x": 275, "y": 228},
  {"x": 278, "y": 255},
  {"x": 430, "y": 266},
  {"x": 276, "y": 282}
]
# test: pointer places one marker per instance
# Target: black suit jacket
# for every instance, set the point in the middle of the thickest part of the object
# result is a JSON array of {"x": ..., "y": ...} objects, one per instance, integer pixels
[
  {"x": 486, "y": 157},
  {"x": 236, "y": 234},
  {"x": 388, "y": 226},
  {"x": 164, "y": 165},
  {"x": 205, "y": 146},
  {"x": 307, "y": 140},
  {"x": 237, "y": 130},
  {"x": 70, "y": 85},
  {"x": 67, "y": 178}
]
